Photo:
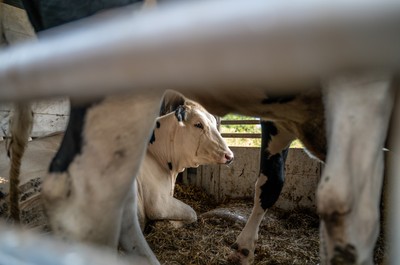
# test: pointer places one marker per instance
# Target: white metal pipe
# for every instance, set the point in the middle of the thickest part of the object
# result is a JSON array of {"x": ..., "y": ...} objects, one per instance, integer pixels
[
  {"x": 19, "y": 247},
  {"x": 205, "y": 44},
  {"x": 393, "y": 230}
]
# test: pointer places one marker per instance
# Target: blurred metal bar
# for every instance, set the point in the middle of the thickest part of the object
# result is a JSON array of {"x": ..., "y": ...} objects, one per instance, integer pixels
[
  {"x": 205, "y": 44},
  {"x": 18, "y": 247},
  {"x": 234, "y": 122},
  {"x": 393, "y": 231}
]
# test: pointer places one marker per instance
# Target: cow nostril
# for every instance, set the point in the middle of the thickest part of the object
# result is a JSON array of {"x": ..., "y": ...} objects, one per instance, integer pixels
[{"x": 229, "y": 158}]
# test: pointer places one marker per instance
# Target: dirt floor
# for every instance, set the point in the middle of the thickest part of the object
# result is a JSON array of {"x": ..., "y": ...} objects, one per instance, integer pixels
[{"x": 285, "y": 237}]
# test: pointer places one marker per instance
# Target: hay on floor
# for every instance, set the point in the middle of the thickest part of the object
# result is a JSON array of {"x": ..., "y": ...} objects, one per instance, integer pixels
[{"x": 285, "y": 238}]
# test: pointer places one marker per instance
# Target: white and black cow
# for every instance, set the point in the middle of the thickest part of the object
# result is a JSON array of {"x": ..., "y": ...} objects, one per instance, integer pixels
[
  {"x": 348, "y": 195},
  {"x": 289, "y": 118},
  {"x": 186, "y": 137},
  {"x": 349, "y": 191}
]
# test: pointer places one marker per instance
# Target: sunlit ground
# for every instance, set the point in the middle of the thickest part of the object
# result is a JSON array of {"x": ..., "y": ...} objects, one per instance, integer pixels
[{"x": 3, "y": 180}]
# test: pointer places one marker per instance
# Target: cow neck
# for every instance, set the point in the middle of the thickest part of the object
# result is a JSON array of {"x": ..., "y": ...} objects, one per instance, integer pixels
[{"x": 164, "y": 146}]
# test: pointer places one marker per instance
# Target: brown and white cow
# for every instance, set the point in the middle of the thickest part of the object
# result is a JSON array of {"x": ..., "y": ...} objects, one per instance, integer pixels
[{"x": 186, "y": 137}]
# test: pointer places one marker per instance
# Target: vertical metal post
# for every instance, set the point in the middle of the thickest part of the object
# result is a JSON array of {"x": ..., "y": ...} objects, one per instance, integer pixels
[{"x": 393, "y": 231}]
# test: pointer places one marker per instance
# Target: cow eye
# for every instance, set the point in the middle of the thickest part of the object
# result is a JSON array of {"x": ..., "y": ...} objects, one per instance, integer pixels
[{"x": 199, "y": 125}]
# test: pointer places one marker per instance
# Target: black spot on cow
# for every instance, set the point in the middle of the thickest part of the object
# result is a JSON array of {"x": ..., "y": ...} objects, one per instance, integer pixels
[
  {"x": 274, "y": 170},
  {"x": 269, "y": 129},
  {"x": 72, "y": 142},
  {"x": 277, "y": 99},
  {"x": 271, "y": 166},
  {"x": 152, "y": 138},
  {"x": 15, "y": 3},
  {"x": 170, "y": 165},
  {"x": 180, "y": 113}
]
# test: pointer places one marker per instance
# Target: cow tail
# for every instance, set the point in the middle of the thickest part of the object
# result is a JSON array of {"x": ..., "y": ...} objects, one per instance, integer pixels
[{"x": 20, "y": 128}]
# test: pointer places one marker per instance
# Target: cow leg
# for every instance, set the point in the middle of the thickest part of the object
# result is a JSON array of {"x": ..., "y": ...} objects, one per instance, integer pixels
[
  {"x": 170, "y": 208},
  {"x": 164, "y": 209},
  {"x": 274, "y": 147},
  {"x": 84, "y": 194},
  {"x": 357, "y": 115},
  {"x": 131, "y": 237}
]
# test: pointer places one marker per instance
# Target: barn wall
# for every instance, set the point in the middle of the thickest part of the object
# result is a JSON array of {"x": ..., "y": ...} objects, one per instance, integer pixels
[
  {"x": 49, "y": 116},
  {"x": 238, "y": 179}
]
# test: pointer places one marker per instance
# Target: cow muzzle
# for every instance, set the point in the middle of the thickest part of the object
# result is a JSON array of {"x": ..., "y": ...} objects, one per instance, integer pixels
[{"x": 228, "y": 158}]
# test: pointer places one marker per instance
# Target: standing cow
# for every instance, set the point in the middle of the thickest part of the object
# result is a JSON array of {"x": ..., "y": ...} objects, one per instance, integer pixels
[
  {"x": 285, "y": 118},
  {"x": 349, "y": 191},
  {"x": 102, "y": 139}
]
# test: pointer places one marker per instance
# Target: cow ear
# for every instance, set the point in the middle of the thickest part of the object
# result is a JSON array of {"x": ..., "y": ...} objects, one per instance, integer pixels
[
  {"x": 171, "y": 101},
  {"x": 180, "y": 113}
]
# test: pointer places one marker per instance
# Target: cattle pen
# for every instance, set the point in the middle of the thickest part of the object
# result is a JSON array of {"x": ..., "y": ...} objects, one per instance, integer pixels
[
  {"x": 39, "y": 71},
  {"x": 221, "y": 196}
]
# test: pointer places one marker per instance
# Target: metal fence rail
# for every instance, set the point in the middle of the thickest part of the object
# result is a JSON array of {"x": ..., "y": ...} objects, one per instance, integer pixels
[
  {"x": 274, "y": 44},
  {"x": 21, "y": 247},
  {"x": 240, "y": 135},
  {"x": 394, "y": 186}
]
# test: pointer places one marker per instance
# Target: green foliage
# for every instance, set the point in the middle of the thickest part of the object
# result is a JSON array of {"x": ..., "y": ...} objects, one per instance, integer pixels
[
  {"x": 241, "y": 128},
  {"x": 246, "y": 128}
]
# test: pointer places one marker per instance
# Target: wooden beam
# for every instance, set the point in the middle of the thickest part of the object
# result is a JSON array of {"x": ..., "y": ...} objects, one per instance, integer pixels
[
  {"x": 241, "y": 135},
  {"x": 234, "y": 122}
]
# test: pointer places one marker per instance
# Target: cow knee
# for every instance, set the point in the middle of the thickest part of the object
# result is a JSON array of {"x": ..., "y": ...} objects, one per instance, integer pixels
[
  {"x": 189, "y": 215},
  {"x": 334, "y": 205},
  {"x": 334, "y": 198},
  {"x": 56, "y": 187}
]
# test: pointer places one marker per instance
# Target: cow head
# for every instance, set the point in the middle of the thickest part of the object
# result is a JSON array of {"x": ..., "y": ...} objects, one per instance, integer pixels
[
  {"x": 193, "y": 137},
  {"x": 199, "y": 136}
]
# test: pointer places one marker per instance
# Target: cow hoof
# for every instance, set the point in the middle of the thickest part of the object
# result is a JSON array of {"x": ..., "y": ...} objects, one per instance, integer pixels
[
  {"x": 344, "y": 255},
  {"x": 240, "y": 256}
]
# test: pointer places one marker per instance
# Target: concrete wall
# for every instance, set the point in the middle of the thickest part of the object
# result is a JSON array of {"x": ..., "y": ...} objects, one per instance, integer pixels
[
  {"x": 49, "y": 116},
  {"x": 238, "y": 179}
]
